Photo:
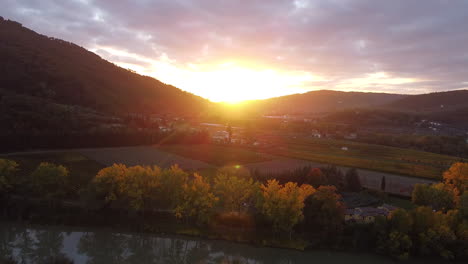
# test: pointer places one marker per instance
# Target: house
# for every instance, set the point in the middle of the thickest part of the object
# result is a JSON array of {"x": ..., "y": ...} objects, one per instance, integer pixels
[
  {"x": 388, "y": 207},
  {"x": 164, "y": 129},
  {"x": 316, "y": 134},
  {"x": 114, "y": 125},
  {"x": 367, "y": 215},
  {"x": 351, "y": 136},
  {"x": 155, "y": 119},
  {"x": 351, "y": 215},
  {"x": 220, "y": 136}
]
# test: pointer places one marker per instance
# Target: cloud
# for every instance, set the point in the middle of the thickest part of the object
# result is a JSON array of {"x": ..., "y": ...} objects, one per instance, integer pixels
[{"x": 421, "y": 42}]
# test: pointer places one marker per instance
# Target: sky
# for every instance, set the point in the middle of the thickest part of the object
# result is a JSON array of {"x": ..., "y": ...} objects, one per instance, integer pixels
[{"x": 227, "y": 50}]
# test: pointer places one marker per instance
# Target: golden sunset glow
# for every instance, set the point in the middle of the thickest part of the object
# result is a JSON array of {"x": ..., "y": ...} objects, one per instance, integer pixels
[
  {"x": 230, "y": 81},
  {"x": 234, "y": 81}
]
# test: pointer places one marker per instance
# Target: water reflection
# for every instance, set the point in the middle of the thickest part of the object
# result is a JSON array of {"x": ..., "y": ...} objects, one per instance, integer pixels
[{"x": 39, "y": 244}]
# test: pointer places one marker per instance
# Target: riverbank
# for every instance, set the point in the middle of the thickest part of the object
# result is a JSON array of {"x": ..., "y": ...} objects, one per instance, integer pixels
[
  {"x": 41, "y": 212},
  {"x": 36, "y": 243}
]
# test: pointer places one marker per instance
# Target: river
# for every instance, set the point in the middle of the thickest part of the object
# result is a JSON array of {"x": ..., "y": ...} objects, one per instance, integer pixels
[{"x": 35, "y": 244}]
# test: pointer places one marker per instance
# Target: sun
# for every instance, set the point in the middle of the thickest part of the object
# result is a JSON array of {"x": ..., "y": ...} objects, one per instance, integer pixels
[{"x": 233, "y": 83}]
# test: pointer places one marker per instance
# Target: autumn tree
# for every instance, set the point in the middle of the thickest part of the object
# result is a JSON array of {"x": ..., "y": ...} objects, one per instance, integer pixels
[
  {"x": 7, "y": 171},
  {"x": 316, "y": 178},
  {"x": 457, "y": 177},
  {"x": 423, "y": 231},
  {"x": 235, "y": 188},
  {"x": 434, "y": 231},
  {"x": 334, "y": 176},
  {"x": 171, "y": 190},
  {"x": 397, "y": 245},
  {"x": 134, "y": 187},
  {"x": 423, "y": 218},
  {"x": 438, "y": 196},
  {"x": 197, "y": 200},
  {"x": 324, "y": 211},
  {"x": 397, "y": 242},
  {"x": 282, "y": 205},
  {"x": 49, "y": 180}
]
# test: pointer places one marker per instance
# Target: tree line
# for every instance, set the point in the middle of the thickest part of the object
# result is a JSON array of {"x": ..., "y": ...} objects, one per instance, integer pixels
[{"x": 232, "y": 197}]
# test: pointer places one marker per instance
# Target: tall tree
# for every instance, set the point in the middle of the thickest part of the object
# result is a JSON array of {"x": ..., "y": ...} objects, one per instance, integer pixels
[
  {"x": 438, "y": 196},
  {"x": 353, "y": 183},
  {"x": 50, "y": 180},
  {"x": 382, "y": 184},
  {"x": 324, "y": 212},
  {"x": 316, "y": 178},
  {"x": 457, "y": 177},
  {"x": 396, "y": 241},
  {"x": 197, "y": 200},
  {"x": 133, "y": 188},
  {"x": 229, "y": 131},
  {"x": 233, "y": 189},
  {"x": 282, "y": 205}
]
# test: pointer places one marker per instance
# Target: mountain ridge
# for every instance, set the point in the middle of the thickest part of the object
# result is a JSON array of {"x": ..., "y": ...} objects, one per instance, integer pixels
[{"x": 63, "y": 72}]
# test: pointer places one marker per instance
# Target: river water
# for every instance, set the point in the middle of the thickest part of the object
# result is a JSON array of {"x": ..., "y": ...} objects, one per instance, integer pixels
[{"x": 36, "y": 244}]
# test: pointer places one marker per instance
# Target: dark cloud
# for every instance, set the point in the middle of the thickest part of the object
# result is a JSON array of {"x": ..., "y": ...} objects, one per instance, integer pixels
[{"x": 340, "y": 40}]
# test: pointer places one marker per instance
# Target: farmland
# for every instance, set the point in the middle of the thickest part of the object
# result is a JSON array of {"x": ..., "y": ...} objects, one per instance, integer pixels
[
  {"x": 218, "y": 155},
  {"x": 375, "y": 162},
  {"x": 142, "y": 155},
  {"x": 365, "y": 156}
]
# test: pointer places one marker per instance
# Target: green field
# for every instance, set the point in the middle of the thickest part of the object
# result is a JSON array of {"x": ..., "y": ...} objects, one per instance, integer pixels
[
  {"x": 216, "y": 154},
  {"x": 81, "y": 169},
  {"x": 366, "y": 156}
]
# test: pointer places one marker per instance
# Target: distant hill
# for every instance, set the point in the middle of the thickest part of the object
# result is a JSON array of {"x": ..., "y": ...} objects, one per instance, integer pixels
[
  {"x": 456, "y": 117},
  {"x": 432, "y": 102},
  {"x": 373, "y": 117},
  {"x": 449, "y": 108},
  {"x": 56, "y": 72},
  {"x": 323, "y": 101}
]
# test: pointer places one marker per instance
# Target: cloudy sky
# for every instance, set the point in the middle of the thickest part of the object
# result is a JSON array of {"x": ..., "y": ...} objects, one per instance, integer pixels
[{"x": 230, "y": 50}]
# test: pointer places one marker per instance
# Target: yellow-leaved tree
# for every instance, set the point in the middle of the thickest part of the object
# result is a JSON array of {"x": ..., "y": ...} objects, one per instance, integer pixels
[
  {"x": 134, "y": 187},
  {"x": 457, "y": 177},
  {"x": 196, "y": 201},
  {"x": 235, "y": 188},
  {"x": 50, "y": 180},
  {"x": 283, "y": 205}
]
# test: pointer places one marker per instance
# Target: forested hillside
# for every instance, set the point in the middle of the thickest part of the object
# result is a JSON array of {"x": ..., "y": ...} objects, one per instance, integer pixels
[
  {"x": 61, "y": 72},
  {"x": 322, "y": 101}
]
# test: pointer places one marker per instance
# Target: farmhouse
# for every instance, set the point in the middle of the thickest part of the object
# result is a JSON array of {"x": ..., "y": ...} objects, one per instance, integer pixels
[
  {"x": 351, "y": 136},
  {"x": 316, "y": 134},
  {"x": 165, "y": 129},
  {"x": 367, "y": 214},
  {"x": 220, "y": 136}
]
